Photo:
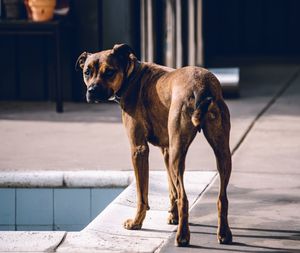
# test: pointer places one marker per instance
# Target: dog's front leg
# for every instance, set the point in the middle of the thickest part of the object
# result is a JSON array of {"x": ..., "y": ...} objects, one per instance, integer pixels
[{"x": 140, "y": 155}]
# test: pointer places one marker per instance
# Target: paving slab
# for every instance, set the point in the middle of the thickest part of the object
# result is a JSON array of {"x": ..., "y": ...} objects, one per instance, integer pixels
[
  {"x": 274, "y": 143},
  {"x": 30, "y": 241}
]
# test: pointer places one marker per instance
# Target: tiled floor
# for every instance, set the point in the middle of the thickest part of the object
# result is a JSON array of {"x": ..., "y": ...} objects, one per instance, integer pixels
[{"x": 52, "y": 209}]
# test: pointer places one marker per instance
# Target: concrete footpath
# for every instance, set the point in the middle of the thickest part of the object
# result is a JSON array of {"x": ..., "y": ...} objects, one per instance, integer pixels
[{"x": 264, "y": 191}]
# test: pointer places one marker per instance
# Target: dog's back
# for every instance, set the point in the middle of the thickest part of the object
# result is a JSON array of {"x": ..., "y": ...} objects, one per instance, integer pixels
[{"x": 190, "y": 88}]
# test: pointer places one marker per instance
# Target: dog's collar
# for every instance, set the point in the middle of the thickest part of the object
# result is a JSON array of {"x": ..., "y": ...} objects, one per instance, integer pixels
[
  {"x": 115, "y": 98},
  {"x": 118, "y": 95}
]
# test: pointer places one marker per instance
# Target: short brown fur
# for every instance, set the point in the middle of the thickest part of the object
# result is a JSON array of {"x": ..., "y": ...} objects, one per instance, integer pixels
[{"x": 164, "y": 107}]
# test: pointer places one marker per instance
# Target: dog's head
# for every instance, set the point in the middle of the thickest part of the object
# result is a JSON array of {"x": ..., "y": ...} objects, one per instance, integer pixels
[{"x": 105, "y": 72}]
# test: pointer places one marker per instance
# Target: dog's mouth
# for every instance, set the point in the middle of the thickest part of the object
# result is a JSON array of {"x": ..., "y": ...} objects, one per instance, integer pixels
[{"x": 98, "y": 95}]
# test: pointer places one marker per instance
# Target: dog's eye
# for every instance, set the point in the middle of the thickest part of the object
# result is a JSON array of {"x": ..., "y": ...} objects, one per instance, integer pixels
[
  {"x": 109, "y": 73},
  {"x": 87, "y": 72}
]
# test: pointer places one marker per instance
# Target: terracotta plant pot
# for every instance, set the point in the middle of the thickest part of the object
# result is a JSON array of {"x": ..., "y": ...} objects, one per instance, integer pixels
[{"x": 40, "y": 10}]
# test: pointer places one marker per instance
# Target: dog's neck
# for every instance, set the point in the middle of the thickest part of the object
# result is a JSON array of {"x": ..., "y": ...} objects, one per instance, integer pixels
[
  {"x": 127, "y": 96},
  {"x": 127, "y": 82}
]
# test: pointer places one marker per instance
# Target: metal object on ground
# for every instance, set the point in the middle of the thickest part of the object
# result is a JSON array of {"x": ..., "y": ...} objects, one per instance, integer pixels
[{"x": 229, "y": 79}]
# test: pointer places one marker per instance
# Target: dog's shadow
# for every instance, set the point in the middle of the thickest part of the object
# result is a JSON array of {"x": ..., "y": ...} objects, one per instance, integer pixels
[{"x": 247, "y": 239}]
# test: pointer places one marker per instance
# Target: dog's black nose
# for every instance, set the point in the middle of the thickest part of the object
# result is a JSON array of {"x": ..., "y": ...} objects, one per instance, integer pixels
[{"x": 91, "y": 93}]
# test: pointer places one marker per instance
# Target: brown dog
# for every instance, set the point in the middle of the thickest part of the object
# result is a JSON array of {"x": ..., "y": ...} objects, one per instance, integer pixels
[{"x": 164, "y": 107}]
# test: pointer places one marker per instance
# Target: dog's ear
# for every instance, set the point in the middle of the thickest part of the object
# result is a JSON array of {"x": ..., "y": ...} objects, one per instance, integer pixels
[
  {"x": 81, "y": 60},
  {"x": 122, "y": 51}
]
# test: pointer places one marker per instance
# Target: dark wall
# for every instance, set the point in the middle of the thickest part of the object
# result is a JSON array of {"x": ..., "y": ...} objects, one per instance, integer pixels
[
  {"x": 93, "y": 25},
  {"x": 86, "y": 30},
  {"x": 121, "y": 23},
  {"x": 27, "y": 68},
  {"x": 99, "y": 25},
  {"x": 27, "y": 73},
  {"x": 251, "y": 28}
]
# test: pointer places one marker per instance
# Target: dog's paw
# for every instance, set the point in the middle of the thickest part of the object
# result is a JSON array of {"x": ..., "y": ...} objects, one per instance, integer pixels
[
  {"x": 225, "y": 238},
  {"x": 172, "y": 219},
  {"x": 182, "y": 240},
  {"x": 130, "y": 225}
]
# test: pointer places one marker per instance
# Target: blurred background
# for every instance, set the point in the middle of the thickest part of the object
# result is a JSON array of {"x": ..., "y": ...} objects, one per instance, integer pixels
[{"x": 176, "y": 33}]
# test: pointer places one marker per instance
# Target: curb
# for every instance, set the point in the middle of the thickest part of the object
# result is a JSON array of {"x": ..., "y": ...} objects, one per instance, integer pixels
[{"x": 67, "y": 179}]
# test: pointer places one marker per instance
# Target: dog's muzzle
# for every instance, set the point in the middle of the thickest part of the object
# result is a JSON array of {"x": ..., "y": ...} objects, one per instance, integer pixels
[{"x": 96, "y": 93}]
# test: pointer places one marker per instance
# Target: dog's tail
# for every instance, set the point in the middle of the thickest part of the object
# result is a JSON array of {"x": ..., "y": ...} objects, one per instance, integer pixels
[{"x": 209, "y": 92}]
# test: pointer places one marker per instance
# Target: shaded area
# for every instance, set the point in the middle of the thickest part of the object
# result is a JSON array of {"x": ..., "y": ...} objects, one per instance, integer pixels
[
  {"x": 259, "y": 221},
  {"x": 74, "y": 112}
]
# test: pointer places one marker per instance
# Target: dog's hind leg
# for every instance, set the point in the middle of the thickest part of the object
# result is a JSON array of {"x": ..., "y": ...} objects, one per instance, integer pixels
[
  {"x": 173, "y": 216},
  {"x": 181, "y": 134},
  {"x": 216, "y": 129}
]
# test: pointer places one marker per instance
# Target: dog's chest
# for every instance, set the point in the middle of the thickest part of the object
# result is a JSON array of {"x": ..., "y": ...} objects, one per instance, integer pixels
[{"x": 156, "y": 131}]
